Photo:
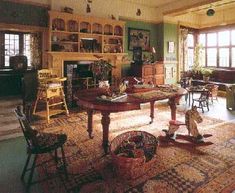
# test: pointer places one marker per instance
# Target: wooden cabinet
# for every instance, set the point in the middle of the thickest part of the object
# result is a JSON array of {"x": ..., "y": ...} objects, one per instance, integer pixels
[
  {"x": 153, "y": 73},
  {"x": 74, "y": 33}
]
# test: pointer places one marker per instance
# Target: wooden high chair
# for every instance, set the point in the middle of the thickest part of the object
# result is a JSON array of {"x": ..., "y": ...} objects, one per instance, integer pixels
[{"x": 50, "y": 91}]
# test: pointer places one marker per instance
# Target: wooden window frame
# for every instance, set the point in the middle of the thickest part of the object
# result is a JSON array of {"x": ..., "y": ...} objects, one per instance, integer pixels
[{"x": 230, "y": 46}]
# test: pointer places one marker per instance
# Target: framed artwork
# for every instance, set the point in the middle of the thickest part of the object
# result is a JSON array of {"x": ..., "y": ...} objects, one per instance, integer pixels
[
  {"x": 171, "y": 47},
  {"x": 138, "y": 38}
]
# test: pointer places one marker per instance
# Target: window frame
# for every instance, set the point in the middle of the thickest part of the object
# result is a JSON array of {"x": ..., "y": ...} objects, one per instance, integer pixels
[
  {"x": 230, "y": 46},
  {"x": 2, "y": 48}
]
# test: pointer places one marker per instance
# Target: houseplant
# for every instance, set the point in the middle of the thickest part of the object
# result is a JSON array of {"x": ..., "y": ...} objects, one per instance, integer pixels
[
  {"x": 206, "y": 72},
  {"x": 101, "y": 71}
]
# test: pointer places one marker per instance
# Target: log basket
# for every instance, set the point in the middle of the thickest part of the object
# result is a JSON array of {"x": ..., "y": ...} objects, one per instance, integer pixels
[{"x": 143, "y": 155}]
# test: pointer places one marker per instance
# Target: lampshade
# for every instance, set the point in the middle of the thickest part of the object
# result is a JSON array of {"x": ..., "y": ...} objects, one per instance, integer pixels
[{"x": 210, "y": 12}]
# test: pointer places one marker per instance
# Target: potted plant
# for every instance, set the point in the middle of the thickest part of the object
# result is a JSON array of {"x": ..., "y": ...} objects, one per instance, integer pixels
[
  {"x": 101, "y": 71},
  {"x": 206, "y": 72}
]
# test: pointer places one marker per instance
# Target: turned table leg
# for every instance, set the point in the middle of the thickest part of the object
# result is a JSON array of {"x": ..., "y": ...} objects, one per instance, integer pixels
[
  {"x": 172, "y": 102},
  {"x": 105, "y": 124},
  {"x": 90, "y": 123},
  {"x": 151, "y": 111}
]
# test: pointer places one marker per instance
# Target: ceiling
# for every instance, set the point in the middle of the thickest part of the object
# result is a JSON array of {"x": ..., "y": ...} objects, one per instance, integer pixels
[
  {"x": 200, "y": 10},
  {"x": 151, "y": 3},
  {"x": 217, "y": 6}
]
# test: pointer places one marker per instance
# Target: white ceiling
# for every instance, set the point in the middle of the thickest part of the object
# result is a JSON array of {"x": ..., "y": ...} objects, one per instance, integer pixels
[
  {"x": 217, "y": 6},
  {"x": 151, "y": 3}
]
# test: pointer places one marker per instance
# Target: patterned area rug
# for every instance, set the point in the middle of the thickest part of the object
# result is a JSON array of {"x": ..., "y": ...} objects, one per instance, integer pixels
[{"x": 180, "y": 166}]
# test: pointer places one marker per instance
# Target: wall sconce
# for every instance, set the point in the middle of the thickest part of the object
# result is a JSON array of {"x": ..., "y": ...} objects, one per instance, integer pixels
[
  {"x": 138, "y": 12},
  {"x": 88, "y": 8}
]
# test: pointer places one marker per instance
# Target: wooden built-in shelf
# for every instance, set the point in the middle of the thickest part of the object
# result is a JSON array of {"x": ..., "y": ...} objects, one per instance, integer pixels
[{"x": 91, "y": 34}]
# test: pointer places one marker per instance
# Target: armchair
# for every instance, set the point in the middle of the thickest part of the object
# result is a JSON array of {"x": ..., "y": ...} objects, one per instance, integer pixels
[{"x": 230, "y": 97}]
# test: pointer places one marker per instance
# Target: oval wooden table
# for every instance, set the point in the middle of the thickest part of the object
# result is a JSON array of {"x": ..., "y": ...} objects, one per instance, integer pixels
[{"x": 89, "y": 99}]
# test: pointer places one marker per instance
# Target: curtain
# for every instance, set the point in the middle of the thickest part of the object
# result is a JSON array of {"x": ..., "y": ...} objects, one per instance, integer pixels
[
  {"x": 35, "y": 50},
  {"x": 183, "y": 50}
]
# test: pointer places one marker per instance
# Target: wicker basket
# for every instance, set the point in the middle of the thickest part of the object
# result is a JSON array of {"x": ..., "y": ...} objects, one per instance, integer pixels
[{"x": 131, "y": 168}]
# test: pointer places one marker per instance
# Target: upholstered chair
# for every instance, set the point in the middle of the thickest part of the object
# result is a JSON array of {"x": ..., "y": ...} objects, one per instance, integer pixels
[{"x": 230, "y": 97}]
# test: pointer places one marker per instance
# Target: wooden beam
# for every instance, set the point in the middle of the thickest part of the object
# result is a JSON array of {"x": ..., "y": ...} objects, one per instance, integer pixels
[{"x": 30, "y": 2}]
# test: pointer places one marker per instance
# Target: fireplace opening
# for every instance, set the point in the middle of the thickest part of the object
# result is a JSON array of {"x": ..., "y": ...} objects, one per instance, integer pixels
[{"x": 79, "y": 76}]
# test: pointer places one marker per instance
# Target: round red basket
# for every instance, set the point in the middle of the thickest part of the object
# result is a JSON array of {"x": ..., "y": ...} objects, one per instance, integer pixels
[{"x": 143, "y": 153}]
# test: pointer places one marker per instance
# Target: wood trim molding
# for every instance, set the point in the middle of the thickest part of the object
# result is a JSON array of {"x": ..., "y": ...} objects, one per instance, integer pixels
[
  {"x": 175, "y": 12},
  {"x": 22, "y": 28},
  {"x": 123, "y": 18},
  {"x": 30, "y": 3}
]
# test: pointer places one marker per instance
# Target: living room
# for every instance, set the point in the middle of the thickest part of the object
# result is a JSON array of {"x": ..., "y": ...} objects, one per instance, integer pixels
[{"x": 154, "y": 55}]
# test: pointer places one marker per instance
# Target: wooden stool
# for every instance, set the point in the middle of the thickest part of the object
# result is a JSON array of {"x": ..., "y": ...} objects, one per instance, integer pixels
[{"x": 50, "y": 91}]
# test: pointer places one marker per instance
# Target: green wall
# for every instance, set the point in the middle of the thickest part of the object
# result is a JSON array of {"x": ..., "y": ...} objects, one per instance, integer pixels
[
  {"x": 24, "y": 14},
  {"x": 154, "y": 40},
  {"x": 170, "y": 35},
  {"x": 160, "y": 36}
]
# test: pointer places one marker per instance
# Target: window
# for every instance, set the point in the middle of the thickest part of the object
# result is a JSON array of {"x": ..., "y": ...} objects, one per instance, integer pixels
[
  {"x": 233, "y": 57},
  {"x": 211, "y": 57},
  {"x": 15, "y": 44},
  {"x": 12, "y": 42},
  {"x": 223, "y": 38},
  {"x": 211, "y": 39},
  {"x": 219, "y": 48},
  {"x": 223, "y": 57},
  {"x": 27, "y": 48}
]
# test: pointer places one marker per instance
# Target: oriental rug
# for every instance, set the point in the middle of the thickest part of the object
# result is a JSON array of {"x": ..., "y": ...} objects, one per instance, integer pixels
[{"x": 181, "y": 166}]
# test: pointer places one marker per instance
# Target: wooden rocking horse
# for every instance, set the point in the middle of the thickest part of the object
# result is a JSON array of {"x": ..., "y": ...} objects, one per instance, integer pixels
[{"x": 192, "y": 117}]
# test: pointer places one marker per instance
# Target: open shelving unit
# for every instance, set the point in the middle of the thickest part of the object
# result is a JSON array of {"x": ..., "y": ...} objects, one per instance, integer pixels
[{"x": 81, "y": 34}]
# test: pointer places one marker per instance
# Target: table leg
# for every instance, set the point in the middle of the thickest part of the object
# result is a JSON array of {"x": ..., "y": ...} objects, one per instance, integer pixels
[
  {"x": 90, "y": 123},
  {"x": 151, "y": 111},
  {"x": 172, "y": 102},
  {"x": 105, "y": 124},
  {"x": 189, "y": 95}
]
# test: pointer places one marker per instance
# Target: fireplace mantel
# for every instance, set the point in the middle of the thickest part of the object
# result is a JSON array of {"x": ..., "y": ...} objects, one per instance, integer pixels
[{"x": 56, "y": 60}]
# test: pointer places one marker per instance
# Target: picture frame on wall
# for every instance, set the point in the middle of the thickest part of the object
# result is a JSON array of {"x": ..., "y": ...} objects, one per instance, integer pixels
[
  {"x": 171, "y": 47},
  {"x": 138, "y": 38}
]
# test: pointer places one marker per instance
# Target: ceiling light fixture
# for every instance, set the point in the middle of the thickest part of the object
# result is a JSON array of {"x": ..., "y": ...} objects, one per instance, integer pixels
[{"x": 210, "y": 12}]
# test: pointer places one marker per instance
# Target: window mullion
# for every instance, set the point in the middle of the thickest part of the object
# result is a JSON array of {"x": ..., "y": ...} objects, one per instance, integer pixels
[
  {"x": 21, "y": 44},
  {"x": 206, "y": 50},
  {"x": 217, "y": 54},
  {"x": 2, "y": 49},
  {"x": 230, "y": 48}
]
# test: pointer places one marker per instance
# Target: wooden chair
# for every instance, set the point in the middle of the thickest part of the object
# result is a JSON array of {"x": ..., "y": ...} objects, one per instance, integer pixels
[
  {"x": 50, "y": 90},
  {"x": 39, "y": 143},
  {"x": 213, "y": 91},
  {"x": 202, "y": 101},
  {"x": 230, "y": 97}
]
